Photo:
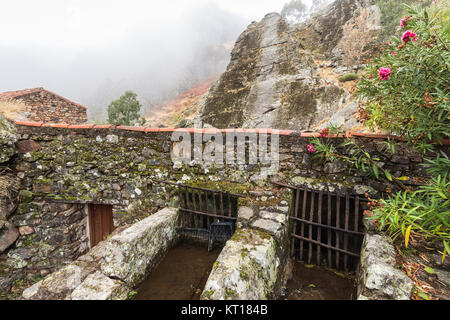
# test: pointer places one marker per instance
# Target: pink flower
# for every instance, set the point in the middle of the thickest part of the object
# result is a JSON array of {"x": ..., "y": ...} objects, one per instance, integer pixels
[
  {"x": 324, "y": 132},
  {"x": 408, "y": 36},
  {"x": 394, "y": 53},
  {"x": 384, "y": 73},
  {"x": 403, "y": 22},
  {"x": 311, "y": 148}
]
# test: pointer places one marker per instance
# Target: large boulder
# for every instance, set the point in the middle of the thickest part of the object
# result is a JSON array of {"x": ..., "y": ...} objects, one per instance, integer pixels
[{"x": 278, "y": 76}]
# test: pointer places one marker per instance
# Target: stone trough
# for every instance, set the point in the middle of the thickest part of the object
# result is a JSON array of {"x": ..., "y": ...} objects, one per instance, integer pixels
[
  {"x": 115, "y": 266},
  {"x": 253, "y": 265}
]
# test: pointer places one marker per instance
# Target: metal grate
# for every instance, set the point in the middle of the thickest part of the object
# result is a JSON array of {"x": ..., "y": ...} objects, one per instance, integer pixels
[
  {"x": 325, "y": 227},
  {"x": 207, "y": 213},
  {"x": 219, "y": 232}
]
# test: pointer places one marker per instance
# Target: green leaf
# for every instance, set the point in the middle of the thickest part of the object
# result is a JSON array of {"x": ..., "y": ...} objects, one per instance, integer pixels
[
  {"x": 407, "y": 234},
  {"x": 311, "y": 285},
  {"x": 375, "y": 171},
  {"x": 402, "y": 178},
  {"x": 446, "y": 250},
  {"x": 388, "y": 175},
  {"x": 424, "y": 296},
  {"x": 429, "y": 270}
]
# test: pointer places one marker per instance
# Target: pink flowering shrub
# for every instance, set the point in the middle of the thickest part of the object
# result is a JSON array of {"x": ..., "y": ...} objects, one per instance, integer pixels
[
  {"x": 412, "y": 97},
  {"x": 311, "y": 148}
]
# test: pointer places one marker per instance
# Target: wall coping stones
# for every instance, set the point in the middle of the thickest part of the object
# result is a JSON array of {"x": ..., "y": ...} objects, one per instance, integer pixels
[
  {"x": 130, "y": 255},
  {"x": 246, "y": 269},
  {"x": 212, "y": 130}
]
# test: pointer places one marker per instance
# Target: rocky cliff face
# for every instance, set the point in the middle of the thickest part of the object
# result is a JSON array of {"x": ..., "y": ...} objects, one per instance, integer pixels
[{"x": 285, "y": 76}]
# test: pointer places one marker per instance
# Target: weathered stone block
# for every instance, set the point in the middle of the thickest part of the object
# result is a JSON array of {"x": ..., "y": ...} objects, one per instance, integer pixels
[
  {"x": 379, "y": 279},
  {"x": 97, "y": 286},
  {"x": 8, "y": 235},
  {"x": 131, "y": 254},
  {"x": 246, "y": 269}
]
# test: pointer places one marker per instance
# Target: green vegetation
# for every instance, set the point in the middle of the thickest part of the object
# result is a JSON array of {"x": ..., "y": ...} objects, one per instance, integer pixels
[
  {"x": 391, "y": 13},
  {"x": 413, "y": 98},
  {"x": 406, "y": 93},
  {"x": 348, "y": 77},
  {"x": 125, "y": 110}
]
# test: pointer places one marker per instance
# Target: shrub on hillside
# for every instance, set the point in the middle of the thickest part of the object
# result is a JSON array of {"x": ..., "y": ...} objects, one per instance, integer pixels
[
  {"x": 348, "y": 77},
  {"x": 406, "y": 87}
]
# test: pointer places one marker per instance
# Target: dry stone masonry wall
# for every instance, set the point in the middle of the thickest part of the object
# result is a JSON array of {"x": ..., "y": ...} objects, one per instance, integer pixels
[{"x": 54, "y": 170}]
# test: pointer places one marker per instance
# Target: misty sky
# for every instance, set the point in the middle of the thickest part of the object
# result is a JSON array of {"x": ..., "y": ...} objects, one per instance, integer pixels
[{"x": 93, "y": 50}]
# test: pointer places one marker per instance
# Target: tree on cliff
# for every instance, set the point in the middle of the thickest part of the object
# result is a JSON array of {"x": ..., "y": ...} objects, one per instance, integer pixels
[
  {"x": 357, "y": 36},
  {"x": 125, "y": 110},
  {"x": 295, "y": 11}
]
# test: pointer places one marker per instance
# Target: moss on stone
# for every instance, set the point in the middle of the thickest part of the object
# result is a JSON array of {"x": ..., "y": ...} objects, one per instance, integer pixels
[{"x": 348, "y": 77}]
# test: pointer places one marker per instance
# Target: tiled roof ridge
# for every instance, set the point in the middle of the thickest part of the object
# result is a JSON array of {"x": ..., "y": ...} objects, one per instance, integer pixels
[
  {"x": 19, "y": 93},
  {"x": 210, "y": 130}
]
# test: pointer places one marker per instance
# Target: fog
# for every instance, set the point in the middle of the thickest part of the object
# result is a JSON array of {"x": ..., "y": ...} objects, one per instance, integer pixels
[{"x": 92, "y": 51}]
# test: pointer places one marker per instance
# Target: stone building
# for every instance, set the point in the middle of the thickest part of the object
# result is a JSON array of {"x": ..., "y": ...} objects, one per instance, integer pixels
[{"x": 46, "y": 106}]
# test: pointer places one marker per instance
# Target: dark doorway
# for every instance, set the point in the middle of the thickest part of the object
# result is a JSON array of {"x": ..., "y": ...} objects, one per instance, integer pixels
[{"x": 101, "y": 222}]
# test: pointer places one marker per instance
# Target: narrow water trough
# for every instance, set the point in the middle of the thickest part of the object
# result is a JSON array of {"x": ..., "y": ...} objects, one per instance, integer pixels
[
  {"x": 181, "y": 275},
  {"x": 206, "y": 221}
]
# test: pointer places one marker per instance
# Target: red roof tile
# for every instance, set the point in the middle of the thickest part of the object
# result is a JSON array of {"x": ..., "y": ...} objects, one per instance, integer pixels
[{"x": 445, "y": 142}]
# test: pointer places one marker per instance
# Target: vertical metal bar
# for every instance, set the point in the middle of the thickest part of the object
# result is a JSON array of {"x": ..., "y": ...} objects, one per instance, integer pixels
[
  {"x": 356, "y": 225},
  {"x": 295, "y": 214},
  {"x": 302, "y": 224},
  {"x": 208, "y": 218},
  {"x": 311, "y": 214},
  {"x": 347, "y": 214},
  {"x": 201, "y": 218},
  {"x": 182, "y": 205},
  {"x": 329, "y": 230},
  {"x": 200, "y": 200},
  {"x": 338, "y": 212},
  {"x": 356, "y": 214},
  {"x": 319, "y": 229},
  {"x": 229, "y": 204},
  {"x": 194, "y": 203},
  {"x": 222, "y": 213},
  {"x": 214, "y": 202}
]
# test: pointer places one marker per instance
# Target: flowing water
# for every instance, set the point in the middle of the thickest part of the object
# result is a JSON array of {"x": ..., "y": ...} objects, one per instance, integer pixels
[
  {"x": 181, "y": 275},
  {"x": 317, "y": 283}
]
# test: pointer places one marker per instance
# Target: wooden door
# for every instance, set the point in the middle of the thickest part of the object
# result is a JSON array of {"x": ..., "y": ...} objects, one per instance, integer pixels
[{"x": 101, "y": 222}]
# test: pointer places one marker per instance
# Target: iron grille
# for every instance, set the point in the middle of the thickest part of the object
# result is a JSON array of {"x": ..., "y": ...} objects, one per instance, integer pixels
[{"x": 325, "y": 227}]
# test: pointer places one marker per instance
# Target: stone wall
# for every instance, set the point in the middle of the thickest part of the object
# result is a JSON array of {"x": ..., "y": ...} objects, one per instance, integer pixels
[
  {"x": 46, "y": 106},
  {"x": 59, "y": 168}
]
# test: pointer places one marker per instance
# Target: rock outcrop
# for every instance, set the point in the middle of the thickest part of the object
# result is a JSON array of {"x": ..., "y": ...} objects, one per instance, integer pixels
[{"x": 278, "y": 75}]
